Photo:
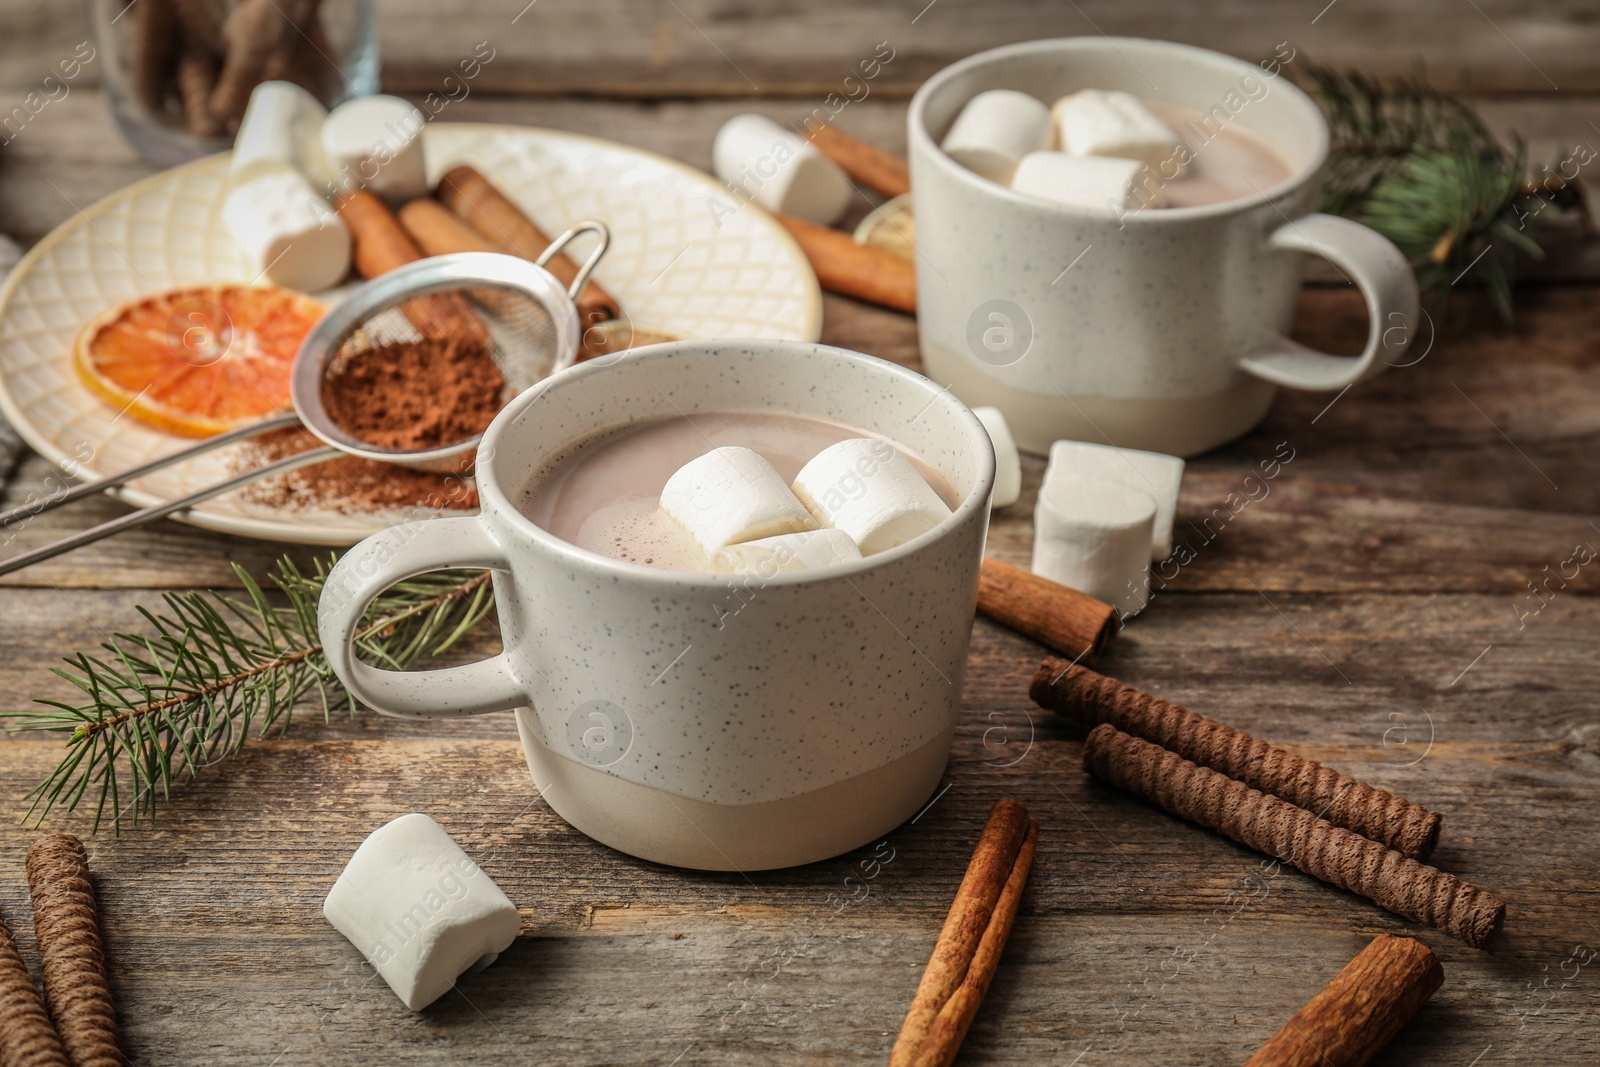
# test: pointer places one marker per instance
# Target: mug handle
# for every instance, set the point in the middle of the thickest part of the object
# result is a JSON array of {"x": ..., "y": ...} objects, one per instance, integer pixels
[
  {"x": 391, "y": 556},
  {"x": 1384, "y": 278}
]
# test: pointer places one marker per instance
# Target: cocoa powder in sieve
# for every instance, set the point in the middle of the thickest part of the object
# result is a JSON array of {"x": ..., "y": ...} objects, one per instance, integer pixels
[{"x": 414, "y": 395}]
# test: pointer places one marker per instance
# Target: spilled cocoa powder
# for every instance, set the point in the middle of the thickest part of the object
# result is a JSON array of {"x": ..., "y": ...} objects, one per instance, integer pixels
[{"x": 407, "y": 396}]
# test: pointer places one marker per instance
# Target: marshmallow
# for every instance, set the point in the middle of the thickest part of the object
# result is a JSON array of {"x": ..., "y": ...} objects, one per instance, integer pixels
[
  {"x": 995, "y": 130},
  {"x": 789, "y": 553},
  {"x": 1100, "y": 123},
  {"x": 288, "y": 232},
  {"x": 1095, "y": 182},
  {"x": 1007, "y": 463},
  {"x": 1093, "y": 534},
  {"x": 281, "y": 130},
  {"x": 869, "y": 489},
  {"x": 419, "y": 909},
  {"x": 730, "y": 495},
  {"x": 779, "y": 170},
  {"x": 1158, "y": 474},
  {"x": 375, "y": 143}
]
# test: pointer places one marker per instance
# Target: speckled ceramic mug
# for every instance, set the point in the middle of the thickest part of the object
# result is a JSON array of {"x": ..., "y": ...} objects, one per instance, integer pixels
[
  {"x": 1163, "y": 328},
  {"x": 715, "y": 722}
]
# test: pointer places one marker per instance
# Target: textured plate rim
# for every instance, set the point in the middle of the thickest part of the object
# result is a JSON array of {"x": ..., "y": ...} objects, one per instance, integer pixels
[{"x": 283, "y": 528}]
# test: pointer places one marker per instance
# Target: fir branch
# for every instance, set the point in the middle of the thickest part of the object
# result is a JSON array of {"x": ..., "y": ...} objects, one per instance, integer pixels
[
  {"x": 1423, "y": 169},
  {"x": 163, "y": 705}
]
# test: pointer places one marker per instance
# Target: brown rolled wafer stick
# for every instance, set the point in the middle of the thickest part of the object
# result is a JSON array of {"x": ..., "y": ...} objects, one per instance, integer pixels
[
  {"x": 380, "y": 245},
  {"x": 70, "y": 955},
  {"x": 27, "y": 1037},
  {"x": 1070, "y": 622},
  {"x": 858, "y": 271},
  {"x": 1351, "y": 1020},
  {"x": 197, "y": 75},
  {"x": 990, "y": 870},
  {"x": 502, "y": 223},
  {"x": 1294, "y": 835},
  {"x": 154, "y": 52},
  {"x": 883, "y": 172},
  {"x": 1080, "y": 693}
]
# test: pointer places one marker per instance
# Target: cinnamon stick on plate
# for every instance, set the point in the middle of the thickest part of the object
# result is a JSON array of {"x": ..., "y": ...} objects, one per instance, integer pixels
[
  {"x": 861, "y": 271},
  {"x": 968, "y": 950},
  {"x": 1072, "y": 623},
  {"x": 381, "y": 245},
  {"x": 1360, "y": 1011},
  {"x": 498, "y": 220},
  {"x": 882, "y": 172}
]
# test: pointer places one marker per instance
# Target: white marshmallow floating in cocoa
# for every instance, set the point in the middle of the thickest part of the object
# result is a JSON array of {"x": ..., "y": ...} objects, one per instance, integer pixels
[
  {"x": 1095, "y": 182},
  {"x": 1093, "y": 535},
  {"x": 731, "y": 495},
  {"x": 375, "y": 143},
  {"x": 790, "y": 553},
  {"x": 1097, "y": 122},
  {"x": 868, "y": 488},
  {"x": 779, "y": 170},
  {"x": 281, "y": 129},
  {"x": 419, "y": 909},
  {"x": 1156, "y": 473},
  {"x": 1007, "y": 461},
  {"x": 995, "y": 130},
  {"x": 287, "y": 231}
]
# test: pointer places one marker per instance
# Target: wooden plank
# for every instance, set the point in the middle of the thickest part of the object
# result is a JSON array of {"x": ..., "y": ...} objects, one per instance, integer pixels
[{"x": 720, "y": 47}]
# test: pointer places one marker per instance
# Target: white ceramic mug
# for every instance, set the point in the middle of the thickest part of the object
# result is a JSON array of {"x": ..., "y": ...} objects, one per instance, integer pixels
[
  {"x": 715, "y": 722},
  {"x": 1165, "y": 328}
]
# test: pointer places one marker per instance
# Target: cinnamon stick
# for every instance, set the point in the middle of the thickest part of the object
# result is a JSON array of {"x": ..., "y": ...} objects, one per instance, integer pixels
[
  {"x": 501, "y": 222},
  {"x": 1072, "y": 623},
  {"x": 1081, "y": 694},
  {"x": 27, "y": 1037},
  {"x": 883, "y": 172},
  {"x": 1293, "y": 835},
  {"x": 74, "y": 965},
  {"x": 949, "y": 1029},
  {"x": 960, "y": 953},
  {"x": 859, "y": 271},
  {"x": 381, "y": 244},
  {"x": 1360, "y": 1011}
]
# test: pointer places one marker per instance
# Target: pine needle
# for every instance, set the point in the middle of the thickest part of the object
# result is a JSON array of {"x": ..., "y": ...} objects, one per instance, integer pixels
[{"x": 161, "y": 706}]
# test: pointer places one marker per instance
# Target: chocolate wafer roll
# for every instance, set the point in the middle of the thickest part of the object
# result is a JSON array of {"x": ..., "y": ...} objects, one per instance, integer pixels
[
  {"x": 27, "y": 1038},
  {"x": 1091, "y": 698},
  {"x": 1294, "y": 835},
  {"x": 68, "y": 931}
]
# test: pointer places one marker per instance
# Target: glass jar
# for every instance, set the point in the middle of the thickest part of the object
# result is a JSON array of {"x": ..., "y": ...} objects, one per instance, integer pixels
[{"x": 178, "y": 73}]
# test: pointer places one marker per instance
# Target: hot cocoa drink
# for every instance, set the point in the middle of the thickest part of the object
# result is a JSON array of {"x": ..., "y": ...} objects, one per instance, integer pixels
[
  {"x": 1224, "y": 163},
  {"x": 709, "y": 492}
]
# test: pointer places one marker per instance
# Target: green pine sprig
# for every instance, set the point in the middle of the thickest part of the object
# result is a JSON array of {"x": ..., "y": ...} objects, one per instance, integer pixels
[
  {"x": 1422, "y": 168},
  {"x": 214, "y": 670}
]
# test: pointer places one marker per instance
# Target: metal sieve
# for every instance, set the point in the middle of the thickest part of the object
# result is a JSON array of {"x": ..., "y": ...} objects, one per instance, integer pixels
[{"x": 523, "y": 316}]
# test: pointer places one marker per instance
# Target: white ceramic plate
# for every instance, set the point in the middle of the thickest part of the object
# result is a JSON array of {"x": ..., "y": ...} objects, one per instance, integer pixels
[{"x": 674, "y": 264}]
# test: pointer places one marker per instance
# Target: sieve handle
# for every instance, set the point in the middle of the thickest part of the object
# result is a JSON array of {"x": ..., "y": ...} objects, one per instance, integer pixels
[
  {"x": 593, "y": 226},
  {"x": 391, "y": 556}
]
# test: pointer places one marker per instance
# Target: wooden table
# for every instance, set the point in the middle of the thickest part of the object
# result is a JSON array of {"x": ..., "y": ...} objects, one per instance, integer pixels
[{"x": 1373, "y": 610}]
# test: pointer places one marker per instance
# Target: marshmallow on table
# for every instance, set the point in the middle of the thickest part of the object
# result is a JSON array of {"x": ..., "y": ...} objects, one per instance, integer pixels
[
  {"x": 866, "y": 487},
  {"x": 1093, "y": 535},
  {"x": 1156, "y": 473},
  {"x": 789, "y": 553},
  {"x": 1096, "y": 122},
  {"x": 995, "y": 130},
  {"x": 1007, "y": 463},
  {"x": 287, "y": 231},
  {"x": 779, "y": 170},
  {"x": 375, "y": 143},
  {"x": 730, "y": 495},
  {"x": 419, "y": 909},
  {"x": 1097, "y": 182},
  {"x": 281, "y": 129}
]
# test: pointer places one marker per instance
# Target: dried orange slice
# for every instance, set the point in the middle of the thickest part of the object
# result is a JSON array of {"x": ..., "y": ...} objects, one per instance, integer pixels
[{"x": 196, "y": 362}]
